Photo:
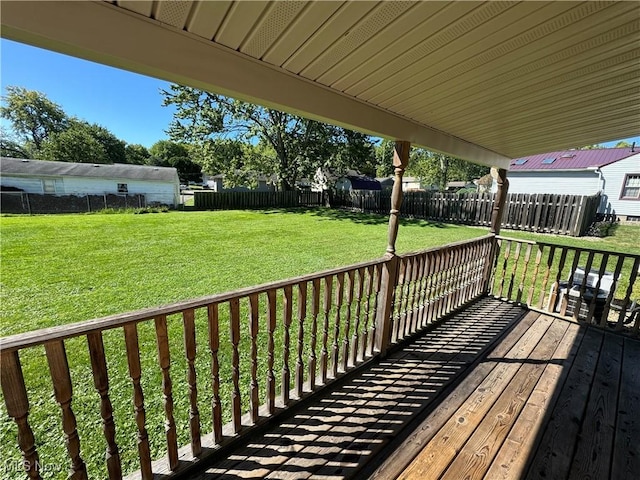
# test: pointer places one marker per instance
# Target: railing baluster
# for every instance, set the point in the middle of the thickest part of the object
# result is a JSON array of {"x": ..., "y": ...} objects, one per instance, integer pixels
[
  {"x": 596, "y": 290},
  {"x": 236, "y": 413},
  {"x": 347, "y": 321},
  {"x": 165, "y": 361},
  {"x": 583, "y": 286},
  {"x": 101, "y": 382},
  {"x": 547, "y": 272},
  {"x": 302, "y": 314},
  {"x": 551, "y": 304},
  {"x": 253, "y": 332},
  {"x": 507, "y": 254},
  {"x": 63, "y": 392},
  {"x": 397, "y": 327},
  {"x": 432, "y": 260},
  {"x": 188, "y": 317},
  {"x": 574, "y": 266},
  {"x": 288, "y": 314},
  {"x": 514, "y": 271},
  {"x": 324, "y": 355},
  {"x": 355, "y": 338},
  {"x": 627, "y": 298},
  {"x": 374, "y": 309},
  {"x": 271, "y": 326},
  {"x": 527, "y": 257},
  {"x": 214, "y": 346},
  {"x": 133, "y": 360},
  {"x": 336, "y": 329},
  {"x": 367, "y": 313},
  {"x": 315, "y": 308},
  {"x": 612, "y": 290},
  {"x": 17, "y": 403}
]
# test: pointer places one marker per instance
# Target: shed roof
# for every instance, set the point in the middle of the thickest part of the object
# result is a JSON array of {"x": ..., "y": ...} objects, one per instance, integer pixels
[
  {"x": 360, "y": 182},
  {"x": 18, "y": 166},
  {"x": 483, "y": 81},
  {"x": 572, "y": 159}
]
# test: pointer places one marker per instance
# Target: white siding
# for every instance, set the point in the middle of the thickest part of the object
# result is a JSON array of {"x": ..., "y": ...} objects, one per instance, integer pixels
[
  {"x": 155, "y": 192},
  {"x": 557, "y": 182},
  {"x": 613, "y": 177},
  {"x": 28, "y": 184}
]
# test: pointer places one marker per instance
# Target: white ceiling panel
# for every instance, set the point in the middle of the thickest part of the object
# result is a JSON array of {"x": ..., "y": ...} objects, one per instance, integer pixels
[{"x": 484, "y": 81}]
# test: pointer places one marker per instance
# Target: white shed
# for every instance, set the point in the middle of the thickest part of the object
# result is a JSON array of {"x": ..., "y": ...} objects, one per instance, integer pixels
[
  {"x": 159, "y": 185},
  {"x": 614, "y": 172}
]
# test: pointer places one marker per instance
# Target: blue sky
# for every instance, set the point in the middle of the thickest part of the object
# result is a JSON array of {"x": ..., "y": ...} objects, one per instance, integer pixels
[{"x": 128, "y": 104}]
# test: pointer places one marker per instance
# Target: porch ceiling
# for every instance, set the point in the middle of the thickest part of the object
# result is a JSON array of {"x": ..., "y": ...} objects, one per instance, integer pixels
[{"x": 482, "y": 81}]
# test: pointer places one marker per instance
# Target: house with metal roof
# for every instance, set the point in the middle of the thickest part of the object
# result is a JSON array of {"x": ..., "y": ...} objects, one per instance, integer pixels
[
  {"x": 613, "y": 172},
  {"x": 159, "y": 185}
]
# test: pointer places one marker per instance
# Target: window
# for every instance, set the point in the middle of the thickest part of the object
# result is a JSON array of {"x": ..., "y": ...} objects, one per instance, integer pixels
[
  {"x": 548, "y": 161},
  {"x": 520, "y": 161},
  {"x": 122, "y": 188},
  {"x": 631, "y": 188},
  {"x": 49, "y": 186}
]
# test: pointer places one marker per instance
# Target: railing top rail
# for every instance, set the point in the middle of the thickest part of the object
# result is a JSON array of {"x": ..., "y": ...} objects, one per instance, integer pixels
[
  {"x": 447, "y": 246},
  {"x": 582, "y": 249}
]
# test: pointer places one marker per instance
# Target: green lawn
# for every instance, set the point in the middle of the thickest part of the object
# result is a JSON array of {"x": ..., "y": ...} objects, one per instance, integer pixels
[{"x": 68, "y": 268}]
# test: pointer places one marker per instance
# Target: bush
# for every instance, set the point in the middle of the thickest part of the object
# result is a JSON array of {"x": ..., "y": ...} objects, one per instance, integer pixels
[{"x": 602, "y": 226}]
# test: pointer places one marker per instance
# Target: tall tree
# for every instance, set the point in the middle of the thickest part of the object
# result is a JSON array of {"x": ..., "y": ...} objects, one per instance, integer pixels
[
  {"x": 439, "y": 169},
  {"x": 212, "y": 123},
  {"x": 136, "y": 154},
  {"x": 113, "y": 146},
  {"x": 75, "y": 144},
  {"x": 172, "y": 154},
  {"x": 32, "y": 115}
]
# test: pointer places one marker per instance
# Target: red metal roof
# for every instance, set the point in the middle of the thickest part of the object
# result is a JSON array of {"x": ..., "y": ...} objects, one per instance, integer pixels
[{"x": 572, "y": 159}]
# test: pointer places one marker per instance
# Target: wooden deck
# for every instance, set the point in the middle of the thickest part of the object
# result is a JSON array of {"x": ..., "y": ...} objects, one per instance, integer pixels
[{"x": 494, "y": 392}]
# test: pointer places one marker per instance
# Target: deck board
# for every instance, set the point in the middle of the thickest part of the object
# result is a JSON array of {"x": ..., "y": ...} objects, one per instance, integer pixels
[{"x": 495, "y": 392}]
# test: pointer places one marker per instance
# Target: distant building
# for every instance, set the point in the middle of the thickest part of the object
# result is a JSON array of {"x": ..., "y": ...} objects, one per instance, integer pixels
[
  {"x": 353, "y": 182},
  {"x": 216, "y": 183},
  {"x": 614, "y": 172},
  {"x": 159, "y": 185}
]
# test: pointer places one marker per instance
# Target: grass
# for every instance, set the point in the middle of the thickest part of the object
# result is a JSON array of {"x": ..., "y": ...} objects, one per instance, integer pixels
[{"x": 67, "y": 268}]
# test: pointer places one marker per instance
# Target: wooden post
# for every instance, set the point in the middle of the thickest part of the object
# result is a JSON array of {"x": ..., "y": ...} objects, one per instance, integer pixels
[
  {"x": 390, "y": 268},
  {"x": 498, "y": 205},
  {"x": 496, "y": 221}
]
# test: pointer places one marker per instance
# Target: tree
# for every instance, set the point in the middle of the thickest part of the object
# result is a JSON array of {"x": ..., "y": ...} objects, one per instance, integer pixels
[
  {"x": 113, "y": 147},
  {"x": 75, "y": 144},
  {"x": 32, "y": 115},
  {"x": 136, "y": 154},
  {"x": 439, "y": 169},
  {"x": 288, "y": 146},
  {"x": 10, "y": 147},
  {"x": 171, "y": 154}
]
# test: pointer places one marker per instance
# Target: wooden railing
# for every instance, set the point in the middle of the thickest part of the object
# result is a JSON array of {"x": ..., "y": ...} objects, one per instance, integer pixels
[
  {"x": 552, "y": 278},
  {"x": 220, "y": 364},
  {"x": 433, "y": 283}
]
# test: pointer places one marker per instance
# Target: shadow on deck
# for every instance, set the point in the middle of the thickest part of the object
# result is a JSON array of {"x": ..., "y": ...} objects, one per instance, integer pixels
[{"x": 494, "y": 392}]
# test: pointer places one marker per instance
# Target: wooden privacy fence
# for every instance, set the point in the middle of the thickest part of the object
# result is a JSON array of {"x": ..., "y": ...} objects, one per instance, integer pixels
[
  {"x": 30, "y": 203},
  {"x": 203, "y": 372},
  {"x": 551, "y": 278},
  {"x": 207, "y": 200},
  {"x": 542, "y": 213}
]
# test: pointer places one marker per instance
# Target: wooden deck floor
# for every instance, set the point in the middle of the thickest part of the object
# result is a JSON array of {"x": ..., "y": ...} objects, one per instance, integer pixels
[{"x": 495, "y": 392}]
